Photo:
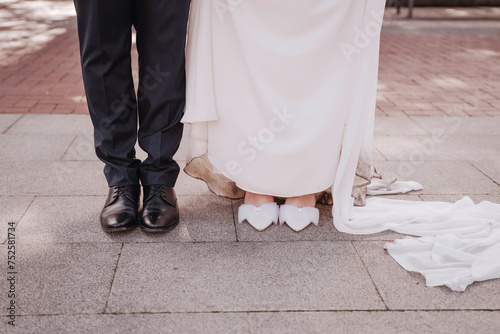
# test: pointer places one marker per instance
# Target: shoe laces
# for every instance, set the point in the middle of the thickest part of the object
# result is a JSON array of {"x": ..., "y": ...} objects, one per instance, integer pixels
[
  {"x": 123, "y": 190},
  {"x": 156, "y": 190}
]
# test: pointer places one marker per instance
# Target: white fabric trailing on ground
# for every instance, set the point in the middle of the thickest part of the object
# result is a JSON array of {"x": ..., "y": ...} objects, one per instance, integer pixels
[
  {"x": 459, "y": 244},
  {"x": 391, "y": 187}
]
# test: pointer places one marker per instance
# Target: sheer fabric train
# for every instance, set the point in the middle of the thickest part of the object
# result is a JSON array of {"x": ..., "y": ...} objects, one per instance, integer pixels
[{"x": 281, "y": 101}]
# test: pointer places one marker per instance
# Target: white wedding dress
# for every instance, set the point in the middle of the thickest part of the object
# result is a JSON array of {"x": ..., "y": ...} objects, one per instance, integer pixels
[{"x": 281, "y": 101}]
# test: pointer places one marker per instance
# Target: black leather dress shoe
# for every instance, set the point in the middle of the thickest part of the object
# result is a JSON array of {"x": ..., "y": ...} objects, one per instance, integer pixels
[
  {"x": 120, "y": 211},
  {"x": 160, "y": 211}
]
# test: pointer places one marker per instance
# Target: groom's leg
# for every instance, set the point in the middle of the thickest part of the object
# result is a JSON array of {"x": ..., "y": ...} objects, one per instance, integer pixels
[
  {"x": 104, "y": 29},
  {"x": 161, "y": 36}
]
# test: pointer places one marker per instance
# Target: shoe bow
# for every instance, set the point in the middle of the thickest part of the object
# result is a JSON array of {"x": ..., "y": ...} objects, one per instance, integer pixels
[
  {"x": 298, "y": 218},
  {"x": 259, "y": 217}
]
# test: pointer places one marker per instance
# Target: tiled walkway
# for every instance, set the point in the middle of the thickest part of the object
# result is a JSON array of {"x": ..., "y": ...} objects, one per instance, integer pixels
[{"x": 210, "y": 274}]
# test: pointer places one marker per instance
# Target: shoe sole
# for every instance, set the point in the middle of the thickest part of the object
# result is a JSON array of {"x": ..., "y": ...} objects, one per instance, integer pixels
[
  {"x": 119, "y": 229},
  {"x": 160, "y": 230}
]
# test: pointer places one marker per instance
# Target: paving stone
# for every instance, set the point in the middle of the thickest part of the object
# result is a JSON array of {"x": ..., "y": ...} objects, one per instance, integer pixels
[
  {"x": 81, "y": 149},
  {"x": 212, "y": 277},
  {"x": 63, "y": 220},
  {"x": 377, "y": 156},
  {"x": 52, "y": 177},
  {"x": 53, "y": 124},
  {"x": 489, "y": 167},
  {"x": 203, "y": 323},
  {"x": 6, "y": 120},
  {"x": 269, "y": 322},
  {"x": 34, "y": 147},
  {"x": 65, "y": 278},
  {"x": 140, "y": 154},
  {"x": 205, "y": 219},
  {"x": 441, "y": 177},
  {"x": 375, "y": 322},
  {"x": 75, "y": 219},
  {"x": 187, "y": 185},
  {"x": 397, "y": 126},
  {"x": 12, "y": 209},
  {"x": 410, "y": 148},
  {"x": 460, "y": 126},
  {"x": 402, "y": 290}
]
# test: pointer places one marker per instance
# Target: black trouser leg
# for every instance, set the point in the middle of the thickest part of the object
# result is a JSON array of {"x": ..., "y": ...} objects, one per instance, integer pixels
[
  {"x": 104, "y": 29},
  {"x": 161, "y": 37}
]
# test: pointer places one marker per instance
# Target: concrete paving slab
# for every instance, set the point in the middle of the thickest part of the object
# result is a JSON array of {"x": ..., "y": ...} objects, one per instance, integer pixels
[
  {"x": 63, "y": 220},
  {"x": 65, "y": 278},
  {"x": 323, "y": 232},
  {"x": 81, "y": 149},
  {"x": 375, "y": 322},
  {"x": 398, "y": 126},
  {"x": 52, "y": 177},
  {"x": 75, "y": 219},
  {"x": 489, "y": 167},
  {"x": 53, "y": 124},
  {"x": 34, "y": 147},
  {"x": 204, "y": 219},
  {"x": 402, "y": 290},
  {"x": 377, "y": 156},
  {"x": 139, "y": 153},
  {"x": 441, "y": 177},
  {"x": 269, "y": 322},
  {"x": 213, "y": 277},
  {"x": 188, "y": 186},
  {"x": 461, "y": 126},
  {"x": 194, "y": 323},
  {"x": 12, "y": 209},
  {"x": 6, "y": 120},
  {"x": 412, "y": 148}
]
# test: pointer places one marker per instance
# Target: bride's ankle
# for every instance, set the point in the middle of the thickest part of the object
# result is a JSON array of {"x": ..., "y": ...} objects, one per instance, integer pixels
[
  {"x": 302, "y": 201},
  {"x": 257, "y": 199}
]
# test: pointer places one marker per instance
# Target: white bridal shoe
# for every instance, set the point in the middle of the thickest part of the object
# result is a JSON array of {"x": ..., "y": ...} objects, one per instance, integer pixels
[
  {"x": 298, "y": 218},
  {"x": 259, "y": 217}
]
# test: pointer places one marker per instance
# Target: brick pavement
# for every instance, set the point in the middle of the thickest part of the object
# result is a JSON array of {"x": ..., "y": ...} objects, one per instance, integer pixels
[
  {"x": 421, "y": 73},
  {"x": 439, "y": 75}
]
